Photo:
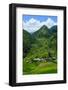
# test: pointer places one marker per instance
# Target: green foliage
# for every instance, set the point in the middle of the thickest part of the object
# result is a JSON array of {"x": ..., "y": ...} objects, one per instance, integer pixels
[
  {"x": 40, "y": 44},
  {"x": 26, "y": 42},
  {"x": 42, "y": 32}
]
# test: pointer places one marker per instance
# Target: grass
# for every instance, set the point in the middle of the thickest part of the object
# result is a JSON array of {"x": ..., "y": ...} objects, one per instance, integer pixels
[
  {"x": 40, "y": 68},
  {"x": 47, "y": 67}
]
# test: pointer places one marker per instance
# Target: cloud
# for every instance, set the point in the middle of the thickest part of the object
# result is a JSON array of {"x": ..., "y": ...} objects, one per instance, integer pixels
[
  {"x": 33, "y": 25},
  {"x": 49, "y": 23}
]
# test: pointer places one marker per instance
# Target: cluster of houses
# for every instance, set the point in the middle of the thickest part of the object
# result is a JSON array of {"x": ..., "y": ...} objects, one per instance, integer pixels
[
  {"x": 39, "y": 59},
  {"x": 42, "y": 59}
]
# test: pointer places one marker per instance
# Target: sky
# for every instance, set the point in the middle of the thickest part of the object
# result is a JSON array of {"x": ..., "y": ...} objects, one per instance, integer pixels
[
  {"x": 39, "y": 17},
  {"x": 32, "y": 23}
]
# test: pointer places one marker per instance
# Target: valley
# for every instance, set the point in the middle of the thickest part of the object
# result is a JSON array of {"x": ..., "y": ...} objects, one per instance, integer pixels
[{"x": 40, "y": 51}]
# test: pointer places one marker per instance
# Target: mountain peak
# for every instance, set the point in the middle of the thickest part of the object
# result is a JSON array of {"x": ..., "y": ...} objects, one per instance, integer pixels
[
  {"x": 49, "y": 23},
  {"x": 33, "y": 24},
  {"x": 44, "y": 26}
]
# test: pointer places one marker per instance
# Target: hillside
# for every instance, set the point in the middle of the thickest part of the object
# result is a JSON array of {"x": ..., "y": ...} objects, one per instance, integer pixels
[
  {"x": 42, "y": 55},
  {"x": 26, "y": 42},
  {"x": 42, "y": 32}
]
